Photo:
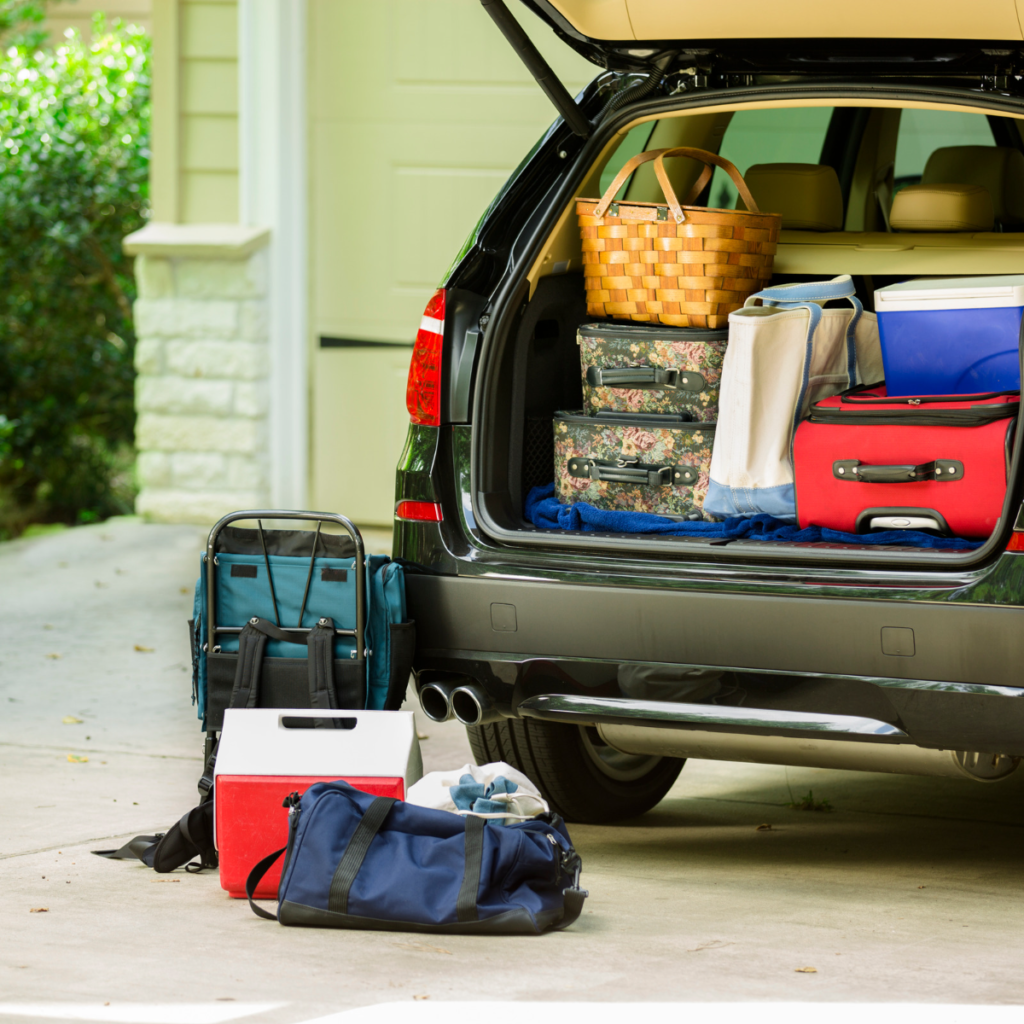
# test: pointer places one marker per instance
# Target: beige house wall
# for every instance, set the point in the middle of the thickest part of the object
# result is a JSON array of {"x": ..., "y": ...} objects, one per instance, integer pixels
[
  {"x": 77, "y": 14},
  {"x": 202, "y": 314},
  {"x": 316, "y": 166},
  {"x": 194, "y": 178}
]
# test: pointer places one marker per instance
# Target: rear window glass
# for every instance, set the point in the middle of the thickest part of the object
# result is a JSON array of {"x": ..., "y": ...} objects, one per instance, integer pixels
[
  {"x": 792, "y": 135},
  {"x": 924, "y": 131},
  {"x": 635, "y": 142}
]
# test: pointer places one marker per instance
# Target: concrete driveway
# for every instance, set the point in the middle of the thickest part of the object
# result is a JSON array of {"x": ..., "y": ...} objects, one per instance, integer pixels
[{"x": 910, "y": 890}]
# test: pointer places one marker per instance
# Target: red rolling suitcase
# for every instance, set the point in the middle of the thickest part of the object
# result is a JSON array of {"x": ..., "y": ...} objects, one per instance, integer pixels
[{"x": 866, "y": 461}]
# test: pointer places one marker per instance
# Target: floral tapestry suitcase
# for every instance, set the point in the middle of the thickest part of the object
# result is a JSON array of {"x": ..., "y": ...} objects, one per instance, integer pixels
[
  {"x": 632, "y": 462},
  {"x": 651, "y": 369}
]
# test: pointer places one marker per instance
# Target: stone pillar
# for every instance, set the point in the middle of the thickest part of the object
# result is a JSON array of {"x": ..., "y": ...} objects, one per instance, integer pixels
[{"x": 201, "y": 393}]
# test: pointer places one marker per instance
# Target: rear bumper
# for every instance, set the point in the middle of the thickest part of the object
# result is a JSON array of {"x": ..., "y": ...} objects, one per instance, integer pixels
[{"x": 947, "y": 674}]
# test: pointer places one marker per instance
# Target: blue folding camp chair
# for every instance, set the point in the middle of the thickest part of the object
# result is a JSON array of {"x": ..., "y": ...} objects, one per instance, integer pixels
[{"x": 297, "y": 619}]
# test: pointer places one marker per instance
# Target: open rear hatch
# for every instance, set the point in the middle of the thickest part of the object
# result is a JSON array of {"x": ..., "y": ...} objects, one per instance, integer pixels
[{"x": 530, "y": 368}]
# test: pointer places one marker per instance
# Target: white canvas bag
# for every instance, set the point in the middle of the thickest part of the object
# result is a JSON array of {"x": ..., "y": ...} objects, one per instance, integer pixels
[{"x": 782, "y": 356}]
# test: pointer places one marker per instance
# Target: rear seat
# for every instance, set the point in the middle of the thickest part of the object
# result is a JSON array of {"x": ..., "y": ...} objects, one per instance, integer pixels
[
  {"x": 807, "y": 195},
  {"x": 942, "y": 207},
  {"x": 998, "y": 169},
  {"x": 943, "y": 226}
]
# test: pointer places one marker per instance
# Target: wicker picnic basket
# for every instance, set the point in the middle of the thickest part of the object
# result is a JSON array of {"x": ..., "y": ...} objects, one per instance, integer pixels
[{"x": 689, "y": 266}]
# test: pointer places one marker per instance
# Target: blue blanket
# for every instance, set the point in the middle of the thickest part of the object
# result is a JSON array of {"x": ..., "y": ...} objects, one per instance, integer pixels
[{"x": 546, "y": 513}]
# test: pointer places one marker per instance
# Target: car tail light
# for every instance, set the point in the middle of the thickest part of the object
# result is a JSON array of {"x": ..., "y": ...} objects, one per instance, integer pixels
[
  {"x": 423, "y": 393},
  {"x": 1016, "y": 541},
  {"x": 419, "y": 511}
]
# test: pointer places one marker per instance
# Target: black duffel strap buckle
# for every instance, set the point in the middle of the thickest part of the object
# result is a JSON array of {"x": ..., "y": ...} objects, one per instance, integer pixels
[
  {"x": 632, "y": 471},
  {"x": 655, "y": 378},
  {"x": 572, "y": 896},
  {"x": 939, "y": 470}
]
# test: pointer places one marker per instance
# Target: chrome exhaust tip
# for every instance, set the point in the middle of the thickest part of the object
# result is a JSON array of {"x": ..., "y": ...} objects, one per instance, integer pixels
[
  {"x": 471, "y": 705},
  {"x": 435, "y": 699}
]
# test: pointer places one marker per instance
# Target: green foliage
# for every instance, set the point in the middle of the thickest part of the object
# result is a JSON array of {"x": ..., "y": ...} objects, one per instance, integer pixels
[
  {"x": 808, "y": 803},
  {"x": 21, "y": 24},
  {"x": 74, "y": 135}
]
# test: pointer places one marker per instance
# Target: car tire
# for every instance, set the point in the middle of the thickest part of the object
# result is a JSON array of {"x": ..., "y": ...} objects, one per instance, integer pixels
[{"x": 581, "y": 778}]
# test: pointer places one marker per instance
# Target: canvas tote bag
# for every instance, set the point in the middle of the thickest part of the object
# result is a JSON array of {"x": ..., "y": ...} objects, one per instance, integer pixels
[{"x": 782, "y": 356}]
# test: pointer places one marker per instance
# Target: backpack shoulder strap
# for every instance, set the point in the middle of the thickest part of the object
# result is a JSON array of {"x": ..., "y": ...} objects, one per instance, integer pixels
[{"x": 320, "y": 646}]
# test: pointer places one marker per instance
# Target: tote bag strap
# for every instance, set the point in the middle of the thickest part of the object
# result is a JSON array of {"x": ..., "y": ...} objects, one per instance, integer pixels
[{"x": 807, "y": 296}]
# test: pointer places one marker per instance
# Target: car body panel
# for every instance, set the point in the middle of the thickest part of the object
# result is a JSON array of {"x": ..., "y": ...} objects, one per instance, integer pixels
[
  {"x": 957, "y": 643},
  {"x": 656, "y": 21}
]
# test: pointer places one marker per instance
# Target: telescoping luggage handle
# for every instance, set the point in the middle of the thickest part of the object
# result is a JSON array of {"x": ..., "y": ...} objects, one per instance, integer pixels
[{"x": 359, "y": 633}]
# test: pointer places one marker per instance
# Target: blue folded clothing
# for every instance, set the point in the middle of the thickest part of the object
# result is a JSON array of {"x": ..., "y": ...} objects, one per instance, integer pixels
[
  {"x": 470, "y": 795},
  {"x": 546, "y": 513}
]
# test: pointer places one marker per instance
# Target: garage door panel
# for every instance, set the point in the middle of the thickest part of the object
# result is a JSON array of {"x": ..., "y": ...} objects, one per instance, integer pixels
[
  {"x": 410, "y": 139},
  {"x": 359, "y": 427}
]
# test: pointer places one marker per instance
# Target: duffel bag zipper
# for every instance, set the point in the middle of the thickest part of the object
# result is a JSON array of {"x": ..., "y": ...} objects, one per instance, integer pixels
[
  {"x": 293, "y": 801},
  {"x": 975, "y": 416},
  {"x": 858, "y": 397}
]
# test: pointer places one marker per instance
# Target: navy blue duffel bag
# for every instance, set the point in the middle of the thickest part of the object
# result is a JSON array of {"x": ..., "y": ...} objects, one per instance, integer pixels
[{"x": 358, "y": 861}]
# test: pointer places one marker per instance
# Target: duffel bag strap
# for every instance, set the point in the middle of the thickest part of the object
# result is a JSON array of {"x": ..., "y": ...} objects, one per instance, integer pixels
[
  {"x": 320, "y": 646},
  {"x": 254, "y": 879},
  {"x": 465, "y": 905},
  {"x": 466, "y": 910},
  {"x": 355, "y": 853}
]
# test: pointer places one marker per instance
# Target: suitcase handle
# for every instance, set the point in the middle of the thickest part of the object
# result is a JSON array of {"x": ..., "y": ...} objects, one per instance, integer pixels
[
  {"x": 939, "y": 470},
  {"x": 631, "y": 471},
  {"x": 645, "y": 377}
]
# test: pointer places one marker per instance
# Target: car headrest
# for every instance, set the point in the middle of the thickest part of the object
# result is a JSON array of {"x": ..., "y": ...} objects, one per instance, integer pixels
[
  {"x": 807, "y": 195},
  {"x": 942, "y": 207},
  {"x": 999, "y": 169}
]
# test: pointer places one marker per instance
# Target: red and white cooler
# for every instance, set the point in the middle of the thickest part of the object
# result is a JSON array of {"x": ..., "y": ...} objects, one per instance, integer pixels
[{"x": 265, "y": 754}]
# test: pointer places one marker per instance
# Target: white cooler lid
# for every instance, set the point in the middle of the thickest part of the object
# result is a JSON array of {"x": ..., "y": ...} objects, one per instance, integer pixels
[
  {"x": 952, "y": 293},
  {"x": 382, "y": 743}
]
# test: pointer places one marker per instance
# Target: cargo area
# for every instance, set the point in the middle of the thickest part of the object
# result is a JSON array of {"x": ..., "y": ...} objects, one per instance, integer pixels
[{"x": 791, "y": 154}]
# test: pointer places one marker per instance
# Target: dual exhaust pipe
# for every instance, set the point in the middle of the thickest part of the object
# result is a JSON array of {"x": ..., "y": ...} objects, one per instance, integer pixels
[{"x": 466, "y": 702}]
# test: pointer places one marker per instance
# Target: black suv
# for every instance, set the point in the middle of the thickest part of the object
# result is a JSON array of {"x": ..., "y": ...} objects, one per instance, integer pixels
[{"x": 597, "y": 662}]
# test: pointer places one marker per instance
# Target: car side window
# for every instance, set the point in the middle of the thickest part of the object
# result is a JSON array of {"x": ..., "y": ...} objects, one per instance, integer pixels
[
  {"x": 922, "y": 132},
  {"x": 783, "y": 135},
  {"x": 635, "y": 142}
]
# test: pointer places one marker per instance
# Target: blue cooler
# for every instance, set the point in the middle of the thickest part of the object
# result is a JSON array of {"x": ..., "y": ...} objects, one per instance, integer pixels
[{"x": 953, "y": 336}]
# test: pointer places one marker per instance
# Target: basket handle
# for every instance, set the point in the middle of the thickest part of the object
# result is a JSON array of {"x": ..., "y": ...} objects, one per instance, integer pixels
[
  {"x": 627, "y": 169},
  {"x": 705, "y": 157},
  {"x": 658, "y": 155}
]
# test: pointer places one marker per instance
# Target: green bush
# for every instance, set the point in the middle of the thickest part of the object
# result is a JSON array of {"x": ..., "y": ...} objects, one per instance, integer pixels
[{"x": 74, "y": 136}]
